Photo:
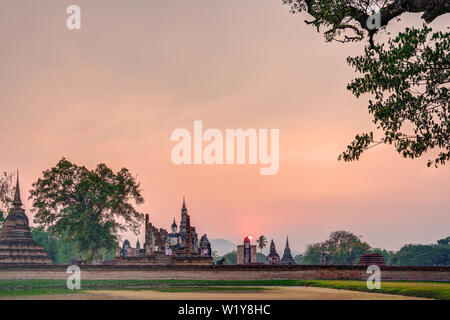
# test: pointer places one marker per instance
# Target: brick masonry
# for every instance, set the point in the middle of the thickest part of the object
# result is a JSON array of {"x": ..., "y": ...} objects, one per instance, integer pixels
[{"x": 245, "y": 272}]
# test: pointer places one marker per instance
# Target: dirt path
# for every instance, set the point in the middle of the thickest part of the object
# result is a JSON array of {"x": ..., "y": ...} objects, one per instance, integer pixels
[{"x": 275, "y": 293}]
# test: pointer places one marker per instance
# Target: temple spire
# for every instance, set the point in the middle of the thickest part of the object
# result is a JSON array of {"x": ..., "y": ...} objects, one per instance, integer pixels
[
  {"x": 17, "y": 202},
  {"x": 184, "y": 205},
  {"x": 287, "y": 255}
]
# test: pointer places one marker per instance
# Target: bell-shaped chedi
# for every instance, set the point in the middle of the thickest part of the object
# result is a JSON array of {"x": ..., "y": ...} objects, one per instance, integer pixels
[
  {"x": 287, "y": 256},
  {"x": 16, "y": 243}
]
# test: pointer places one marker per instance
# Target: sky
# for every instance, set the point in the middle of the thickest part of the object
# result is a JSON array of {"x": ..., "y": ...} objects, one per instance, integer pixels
[{"x": 114, "y": 91}]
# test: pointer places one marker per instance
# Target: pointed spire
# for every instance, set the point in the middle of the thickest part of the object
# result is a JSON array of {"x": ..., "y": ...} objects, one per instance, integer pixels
[
  {"x": 174, "y": 224},
  {"x": 17, "y": 202},
  {"x": 184, "y": 205},
  {"x": 287, "y": 255}
]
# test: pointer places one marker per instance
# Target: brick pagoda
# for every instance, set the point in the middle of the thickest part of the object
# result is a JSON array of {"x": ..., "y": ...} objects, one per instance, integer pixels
[
  {"x": 287, "y": 256},
  {"x": 371, "y": 259},
  {"x": 16, "y": 244}
]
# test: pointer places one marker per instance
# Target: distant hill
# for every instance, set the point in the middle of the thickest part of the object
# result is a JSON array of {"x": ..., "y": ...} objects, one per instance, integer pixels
[{"x": 222, "y": 246}]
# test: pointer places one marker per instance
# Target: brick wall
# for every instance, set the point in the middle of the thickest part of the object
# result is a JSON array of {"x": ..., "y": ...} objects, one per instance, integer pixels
[{"x": 244, "y": 272}]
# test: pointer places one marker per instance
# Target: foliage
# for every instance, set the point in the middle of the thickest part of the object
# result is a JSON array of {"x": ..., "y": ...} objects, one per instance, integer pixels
[
  {"x": 409, "y": 79},
  {"x": 346, "y": 248},
  {"x": 299, "y": 259},
  {"x": 2, "y": 219},
  {"x": 59, "y": 250},
  {"x": 231, "y": 258},
  {"x": 410, "y": 83},
  {"x": 342, "y": 247},
  {"x": 261, "y": 258},
  {"x": 6, "y": 191},
  {"x": 421, "y": 255},
  {"x": 444, "y": 242},
  {"x": 347, "y": 20},
  {"x": 262, "y": 242},
  {"x": 87, "y": 207},
  {"x": 415, "y": 289}
]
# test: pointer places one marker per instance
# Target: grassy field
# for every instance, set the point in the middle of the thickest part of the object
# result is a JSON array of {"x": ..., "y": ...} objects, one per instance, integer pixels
[{"x": 436, "y": 290}]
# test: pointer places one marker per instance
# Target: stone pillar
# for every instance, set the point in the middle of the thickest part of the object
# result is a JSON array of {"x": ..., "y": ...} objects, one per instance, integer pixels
[
  {"x": 148, "y": 246},
  {"x": 188, "y": 241}
]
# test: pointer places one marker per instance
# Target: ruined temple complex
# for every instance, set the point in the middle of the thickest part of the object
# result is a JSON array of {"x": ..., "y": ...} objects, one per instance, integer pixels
[
  {"x": 180, "y": 246},
  {"x": 16, "y": 244}
]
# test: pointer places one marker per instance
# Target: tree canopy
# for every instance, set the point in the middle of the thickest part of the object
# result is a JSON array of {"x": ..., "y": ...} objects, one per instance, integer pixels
[
  {"x": 87, "y": 207},
  {"x": 262, "y": 242},
  {"x": 409, "y": 79},
  {"x": 342, "y": 247},
  {"x": 347, "y": 20},
  {"x": 2, "y": 219},
  {"x": 421, "y": 254},
  {"x": 6, "y": 191}
]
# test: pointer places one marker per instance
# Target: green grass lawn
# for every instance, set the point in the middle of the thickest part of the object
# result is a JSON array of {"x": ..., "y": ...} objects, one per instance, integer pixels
[{"x": 436, "y": 290}]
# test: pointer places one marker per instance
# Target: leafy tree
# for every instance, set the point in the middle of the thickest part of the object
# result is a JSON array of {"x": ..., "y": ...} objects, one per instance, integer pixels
[
  {"x": 261, "y": 258},
  {"x": 410, "y": 83},
  {"x": 444, "y": 242},
  {"x": 87, "y": 207},
  {"x": 422, "y": 255},
  {"x": 46, "y": 240},
  {"x": 262, "y": 242},
  {"x": 299, "y": 259},
  {"x": 57, "y": 248},
  {"x": 409, "y": 80},
  {"x": 231, "y": 258},
  {"x": 6, "y": 191},
  {"x": 342, "y": 247},
  {"x": 2, "y": 219},
  {"x": 313, "y": 253}
]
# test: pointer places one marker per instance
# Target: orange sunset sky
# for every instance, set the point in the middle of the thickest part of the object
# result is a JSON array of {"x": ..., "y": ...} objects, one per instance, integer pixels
[{"x": 115, "y": 90}]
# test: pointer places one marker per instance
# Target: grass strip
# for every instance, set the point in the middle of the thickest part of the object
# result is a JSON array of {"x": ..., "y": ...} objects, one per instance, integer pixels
[{"x": 436, "y": 290}]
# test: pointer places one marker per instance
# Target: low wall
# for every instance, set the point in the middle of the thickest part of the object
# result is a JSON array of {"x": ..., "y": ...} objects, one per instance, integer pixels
[{"x": 251, "y": 272}]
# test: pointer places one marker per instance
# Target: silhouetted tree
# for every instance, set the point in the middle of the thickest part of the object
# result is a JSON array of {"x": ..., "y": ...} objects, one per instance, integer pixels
[
  {"x": 408, "y": 81},
  {"x": 262, "y": 242},
  {"x": 87, "y": 207},
  {"x": 342, "y": 247}
]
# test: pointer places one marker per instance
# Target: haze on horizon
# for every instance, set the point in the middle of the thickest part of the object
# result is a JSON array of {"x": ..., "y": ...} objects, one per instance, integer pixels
[{"x": 114, "y": 91}]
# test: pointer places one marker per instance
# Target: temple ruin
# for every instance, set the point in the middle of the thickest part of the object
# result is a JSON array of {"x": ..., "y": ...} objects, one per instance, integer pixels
[
  {"x": 161, "y": 247},
  {"x": 16, "y": 243}
]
